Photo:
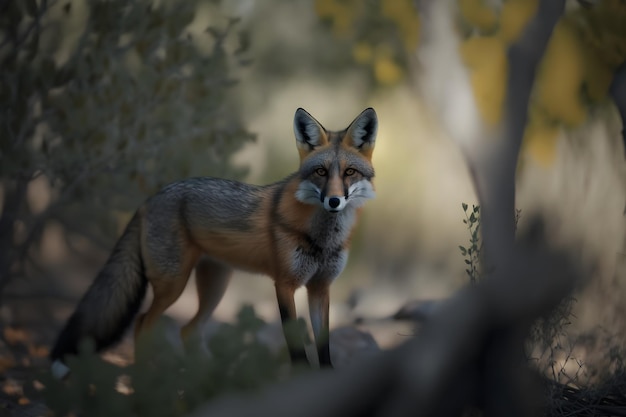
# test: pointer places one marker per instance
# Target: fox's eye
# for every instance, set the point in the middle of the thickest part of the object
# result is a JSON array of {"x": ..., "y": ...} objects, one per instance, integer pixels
[
  {"x": 321, "y": 172},
  {"x": 350, "y": 171}
]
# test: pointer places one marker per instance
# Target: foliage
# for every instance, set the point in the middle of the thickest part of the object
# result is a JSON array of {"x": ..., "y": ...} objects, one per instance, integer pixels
[
  {"x": 472, "y": 253},
  {"x": 587, "y": 46},
  {"x": 547, "y": 341},
  {"x": 164, "y": 381},
  {"x": 381, "y": 33},
  {"x": 567, "y": 387},
  {"x": 105, "y": 102},
  {"x": 572, "y": 387}
]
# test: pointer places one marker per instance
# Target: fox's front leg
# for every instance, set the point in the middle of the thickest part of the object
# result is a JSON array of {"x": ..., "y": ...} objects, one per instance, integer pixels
[
  {"x": 318, "y": 294},
  {"x": 288, "y": 317}
]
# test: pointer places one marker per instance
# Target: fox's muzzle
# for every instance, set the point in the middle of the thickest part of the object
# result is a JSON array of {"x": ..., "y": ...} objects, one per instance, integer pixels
[{"x": 335, "y": 204}]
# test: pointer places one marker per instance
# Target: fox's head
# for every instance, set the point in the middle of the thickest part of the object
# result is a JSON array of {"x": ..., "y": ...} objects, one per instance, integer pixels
[{"x": 335, "y": 167}]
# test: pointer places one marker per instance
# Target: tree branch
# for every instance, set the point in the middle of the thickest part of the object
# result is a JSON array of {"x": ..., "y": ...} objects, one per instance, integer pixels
[
  {"x": 496, "y": 173},
  {"x": 617, "y": 91}
]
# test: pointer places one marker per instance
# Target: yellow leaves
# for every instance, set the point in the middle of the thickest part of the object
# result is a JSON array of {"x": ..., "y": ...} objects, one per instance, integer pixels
[
  {"x": 558, "y": 90},
  {"x": 478, "y": 14},
  {"x": 540, "y": 143},
  {"x": 598, "y": 77},
  {"x": 387, "y": 71},
  {"x": 325, "y": 8},
  {"x": 410, "y": 28},
  {"x": 404, "y": 14},
  {"x": 486, "y": 60},
  {"x": 342, "y": 13},
  {"x": 396, "y": 9},
  {"x": 514, "y": 16},
  {"x": 603, "y": 29},
  {"x": 561, "y": 76},
  {"x": 383, "y": 32},
  {"x": 485, "y": 56},
  {"x": 602, "y": 35},
  {"x": 362, "y": 53}
]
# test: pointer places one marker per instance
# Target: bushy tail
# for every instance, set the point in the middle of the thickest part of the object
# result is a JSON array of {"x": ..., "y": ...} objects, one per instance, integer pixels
[{"x": 110, "y": 304}]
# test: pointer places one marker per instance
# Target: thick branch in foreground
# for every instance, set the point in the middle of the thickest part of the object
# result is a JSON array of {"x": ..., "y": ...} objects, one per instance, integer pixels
[{"x": 436, "y": 373}]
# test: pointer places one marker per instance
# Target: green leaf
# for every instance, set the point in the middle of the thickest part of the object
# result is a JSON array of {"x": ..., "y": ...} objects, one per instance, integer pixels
[
  {"x": 463, "y": 250},
  {"x": 464, "y": 205}
]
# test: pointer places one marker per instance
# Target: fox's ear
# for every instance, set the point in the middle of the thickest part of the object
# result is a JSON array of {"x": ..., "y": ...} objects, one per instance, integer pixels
[
  {"x": 361, "y": 133},
  {"x": 309, "y": 132}
]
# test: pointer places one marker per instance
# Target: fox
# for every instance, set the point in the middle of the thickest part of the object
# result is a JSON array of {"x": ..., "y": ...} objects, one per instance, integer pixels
[{"x": 297, "y": 231}]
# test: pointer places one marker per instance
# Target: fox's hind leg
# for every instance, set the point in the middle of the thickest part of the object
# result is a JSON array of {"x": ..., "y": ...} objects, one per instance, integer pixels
[
  {"x": 167, "y": 287},
  {"x": 212, "y": 278}
]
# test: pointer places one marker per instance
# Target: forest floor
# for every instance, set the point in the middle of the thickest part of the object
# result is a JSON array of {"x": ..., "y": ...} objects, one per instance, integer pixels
[{"x": 24, "y": 349}]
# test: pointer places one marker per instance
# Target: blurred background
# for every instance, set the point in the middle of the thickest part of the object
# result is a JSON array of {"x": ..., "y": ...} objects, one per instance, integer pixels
[{"x": 103, "y": 103}]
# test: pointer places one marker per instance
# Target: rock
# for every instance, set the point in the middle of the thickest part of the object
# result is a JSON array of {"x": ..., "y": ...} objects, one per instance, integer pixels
[{"x": 417, "y": 310}]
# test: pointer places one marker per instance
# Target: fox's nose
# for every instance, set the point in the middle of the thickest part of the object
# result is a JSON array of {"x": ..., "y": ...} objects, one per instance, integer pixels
[{"x": 334, "y": 202}]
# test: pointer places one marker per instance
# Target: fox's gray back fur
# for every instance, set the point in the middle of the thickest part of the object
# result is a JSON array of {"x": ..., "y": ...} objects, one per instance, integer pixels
[{"x": 214, "y": 202}]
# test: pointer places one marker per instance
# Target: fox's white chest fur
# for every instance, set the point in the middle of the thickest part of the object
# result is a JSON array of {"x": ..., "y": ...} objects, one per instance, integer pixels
[{"x": 325, "y": 256}]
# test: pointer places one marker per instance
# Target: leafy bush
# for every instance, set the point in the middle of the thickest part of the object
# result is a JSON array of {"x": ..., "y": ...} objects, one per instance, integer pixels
[
  {"x": 472, "y": 252},
  {"x": 164, "y": 381},
  {"x": 108, "y": 112}
]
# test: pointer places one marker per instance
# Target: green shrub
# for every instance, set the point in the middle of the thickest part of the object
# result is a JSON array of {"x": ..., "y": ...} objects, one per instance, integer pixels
[
  {"x": 472, "y": 252},
  {"x": 108, "y": 101},
  {"x": 164, "y": 381}
]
